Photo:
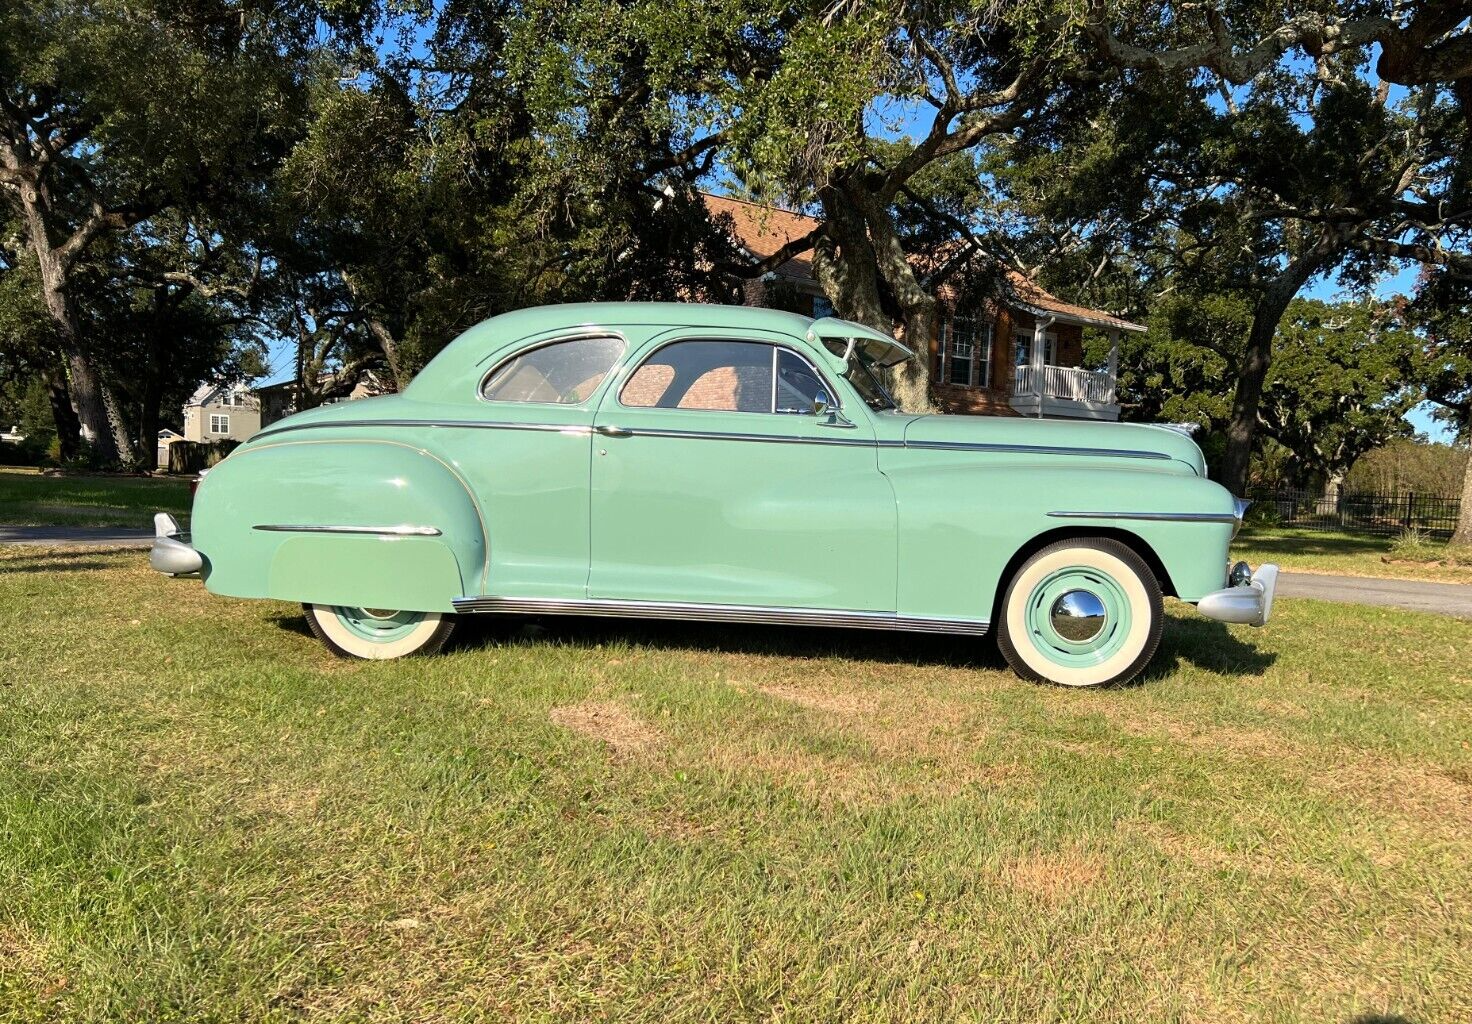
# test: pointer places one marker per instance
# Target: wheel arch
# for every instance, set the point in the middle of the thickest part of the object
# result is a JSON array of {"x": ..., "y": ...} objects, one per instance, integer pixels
[{"x": 1133, "y": 541}]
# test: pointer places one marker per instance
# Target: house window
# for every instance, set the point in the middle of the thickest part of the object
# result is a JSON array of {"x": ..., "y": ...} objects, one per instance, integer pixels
[
  {"x": 219, "y": 424},
  {"x": 966, "y": 353},
  {"x": 821, "y": 307},
  {"x": 1023, "y": 349}
]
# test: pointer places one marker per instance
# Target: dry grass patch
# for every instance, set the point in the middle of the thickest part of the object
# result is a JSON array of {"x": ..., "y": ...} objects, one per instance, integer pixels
[
  {"x": 608, "y": 723},
  {"x": 1054, "y": 878}
]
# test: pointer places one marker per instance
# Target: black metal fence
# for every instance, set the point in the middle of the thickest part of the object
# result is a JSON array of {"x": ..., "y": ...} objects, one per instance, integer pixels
[{"x": 1381, "y": 514}]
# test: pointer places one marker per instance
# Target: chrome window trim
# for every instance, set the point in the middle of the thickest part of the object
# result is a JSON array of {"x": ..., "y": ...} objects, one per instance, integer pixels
[
  {"x": 558, "y": 339},
  {"x": 697, "y": 612},
  {"x": 1153, "y": 517},
  {"x": 618, "y": 395},
  {"x": 404, "y": 530}
]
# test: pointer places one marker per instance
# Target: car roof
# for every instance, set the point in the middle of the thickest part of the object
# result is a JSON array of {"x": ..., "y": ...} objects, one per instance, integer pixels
[{"x": 445, "y": 375}]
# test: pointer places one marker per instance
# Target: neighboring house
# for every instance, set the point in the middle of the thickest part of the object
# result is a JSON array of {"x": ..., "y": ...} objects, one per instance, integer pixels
[
  {"x": 1020, "y": 354},
  {"x": 166, "y": 437},
  {"x": 235, "y": 412},
  {"x": 14, "y": 435},
  {"x": 221, "y": 412},
  {"x": 280, "y": 400}
]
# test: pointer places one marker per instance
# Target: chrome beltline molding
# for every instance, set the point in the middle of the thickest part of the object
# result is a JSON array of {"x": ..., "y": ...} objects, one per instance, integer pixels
[
  {"x": 1153, "y": 517},
  {"x": 694, "y": 612},
  {"x": 708, "y": 435},
  {"x": 379, "y": 531}
]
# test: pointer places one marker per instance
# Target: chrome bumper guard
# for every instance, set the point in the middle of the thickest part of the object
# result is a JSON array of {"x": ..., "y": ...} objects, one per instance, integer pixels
[
  {"x": 171, "y": 553},
  {"x": 1249, "y": 602}
]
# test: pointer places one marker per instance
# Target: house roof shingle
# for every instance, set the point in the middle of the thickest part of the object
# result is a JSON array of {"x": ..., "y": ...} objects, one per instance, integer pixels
[{"x": 762, "y": 230}]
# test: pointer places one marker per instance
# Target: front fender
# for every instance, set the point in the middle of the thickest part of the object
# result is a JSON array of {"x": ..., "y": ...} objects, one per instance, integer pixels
[
  {"x": 361, "y": 523},
  {"x": 961, "y": 524}
]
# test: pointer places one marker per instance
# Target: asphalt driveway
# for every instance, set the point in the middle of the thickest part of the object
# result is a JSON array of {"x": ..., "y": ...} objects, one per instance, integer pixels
[{"x": 1413, "y": 595}]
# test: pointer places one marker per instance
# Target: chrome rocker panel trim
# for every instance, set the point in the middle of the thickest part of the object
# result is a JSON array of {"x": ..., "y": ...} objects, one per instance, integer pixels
[
  {"x": 1247, "y": 604},
  {"x": 171, "y": 553},
  {"x": 695, "y": 612},
  {"x": 372, "y": 531}
]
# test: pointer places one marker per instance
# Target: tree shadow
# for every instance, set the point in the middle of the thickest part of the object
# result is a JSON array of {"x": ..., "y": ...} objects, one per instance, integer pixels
[
  {"x": 61, "y": 560},
  {"x": 1307, "y": 543}
]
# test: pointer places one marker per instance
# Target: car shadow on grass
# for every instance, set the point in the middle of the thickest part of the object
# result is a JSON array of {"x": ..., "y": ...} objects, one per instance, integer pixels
[
  {"x": 725, "y": 638},
  {"x": 1200, "y": 642},
  {"x": 1205, "y": 644}
]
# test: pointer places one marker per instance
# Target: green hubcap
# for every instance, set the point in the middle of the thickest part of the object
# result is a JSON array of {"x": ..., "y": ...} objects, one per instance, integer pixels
[
  {"x": 378, "y": 625},
  {"x": 1078, "y": 616}
]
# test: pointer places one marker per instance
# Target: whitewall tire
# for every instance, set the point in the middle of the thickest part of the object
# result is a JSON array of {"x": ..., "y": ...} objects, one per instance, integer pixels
[
  {"x": 1082, "y": 612},
  {"x": 378, "y": 634}
]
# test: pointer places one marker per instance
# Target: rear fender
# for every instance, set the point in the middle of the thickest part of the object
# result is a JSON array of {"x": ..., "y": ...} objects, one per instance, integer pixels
[{"x": 361, "y": 523}]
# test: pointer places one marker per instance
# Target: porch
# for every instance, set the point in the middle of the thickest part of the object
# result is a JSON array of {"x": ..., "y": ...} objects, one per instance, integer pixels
[{"x": 1067, "y": 391}]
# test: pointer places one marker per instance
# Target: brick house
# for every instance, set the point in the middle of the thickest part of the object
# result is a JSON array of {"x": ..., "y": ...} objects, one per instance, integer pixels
[{"x": 1020, "y": 354}]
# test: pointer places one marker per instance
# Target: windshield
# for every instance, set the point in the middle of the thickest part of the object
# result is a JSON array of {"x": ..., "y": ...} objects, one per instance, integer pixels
[{"x": 862, "y": 377}]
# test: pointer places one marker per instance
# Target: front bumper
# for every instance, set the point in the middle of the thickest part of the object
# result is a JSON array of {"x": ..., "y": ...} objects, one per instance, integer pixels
[
  {"x": 1249, "y": 603},
  {"x": 172, "y": 553}
]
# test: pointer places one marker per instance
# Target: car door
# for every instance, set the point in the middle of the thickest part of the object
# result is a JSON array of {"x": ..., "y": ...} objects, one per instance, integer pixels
[
  {"x": 713, "y": 481},
  {"x": 525, "y": 455}
]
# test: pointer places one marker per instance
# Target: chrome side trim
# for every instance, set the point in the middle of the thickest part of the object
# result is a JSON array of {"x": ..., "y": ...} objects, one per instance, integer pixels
[
  {"x": 695, "y": 612},
  {"x": 713, "y": 435},
  {"x": 1152, "y": 517},
  {"x": 376, "y": 531},
  {"x": 717, "y": 435},
  {"x": 1035, "y": 449},
  {"x": 555, "y": 428}
]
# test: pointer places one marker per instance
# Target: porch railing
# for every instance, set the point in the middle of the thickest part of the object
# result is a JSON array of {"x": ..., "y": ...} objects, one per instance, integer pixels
[{"x": 1066, "y": 382}]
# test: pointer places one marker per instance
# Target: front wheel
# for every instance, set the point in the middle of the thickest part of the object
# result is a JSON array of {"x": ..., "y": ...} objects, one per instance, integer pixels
[
  {"x": 378, "y": 633},
  {"x": 1082, "y": 612}
]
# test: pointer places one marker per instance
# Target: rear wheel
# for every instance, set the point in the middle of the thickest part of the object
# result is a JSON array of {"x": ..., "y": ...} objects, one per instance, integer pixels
[
  {"x": 378, "y": 633},
  {"x": 1082, "y": 612}
]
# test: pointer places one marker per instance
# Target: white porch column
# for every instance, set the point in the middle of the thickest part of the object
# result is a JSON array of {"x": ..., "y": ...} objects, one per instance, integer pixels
[
  {"x": 1113, "y": 355},
  {"x": 1039, "y": 343}
]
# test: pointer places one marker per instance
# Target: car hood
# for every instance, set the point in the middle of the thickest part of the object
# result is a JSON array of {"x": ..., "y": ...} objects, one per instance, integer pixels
[{"x": 1069, "y": 437}]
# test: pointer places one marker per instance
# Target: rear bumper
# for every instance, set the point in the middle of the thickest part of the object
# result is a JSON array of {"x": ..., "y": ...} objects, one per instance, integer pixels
[
  {"x": 172, "y": 553},
  {"x": 1248, "y": 604}
]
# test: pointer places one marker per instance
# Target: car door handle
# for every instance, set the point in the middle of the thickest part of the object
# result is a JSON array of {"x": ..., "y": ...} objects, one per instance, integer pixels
[{"x": 608, "y": 431}]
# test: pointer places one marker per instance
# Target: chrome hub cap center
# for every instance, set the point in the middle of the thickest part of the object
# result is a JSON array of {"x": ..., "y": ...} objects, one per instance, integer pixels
[{"x": 1078, "y": 616}]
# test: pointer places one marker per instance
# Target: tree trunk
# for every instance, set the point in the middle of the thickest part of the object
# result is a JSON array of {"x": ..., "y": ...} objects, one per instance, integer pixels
[
  {"x": 83, "y": 384},
  {"x": 1252, "y": 371},
  {"x": 1463, "y": 534},
  {"x": 68, "y": 431}
]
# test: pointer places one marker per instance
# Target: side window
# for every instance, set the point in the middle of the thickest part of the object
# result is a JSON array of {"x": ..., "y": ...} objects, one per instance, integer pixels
[
  {"x": 562, "y": 373},
  {"x": 724, "y": 376},
  {"x": 798, "y": 384}
]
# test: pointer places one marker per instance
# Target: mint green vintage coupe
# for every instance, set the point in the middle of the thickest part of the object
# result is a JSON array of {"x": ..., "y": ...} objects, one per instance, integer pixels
[{"x": 715, "y": 463}]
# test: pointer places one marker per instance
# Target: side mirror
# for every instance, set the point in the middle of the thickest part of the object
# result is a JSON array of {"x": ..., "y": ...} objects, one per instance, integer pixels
[
  {"x": 824, "y": 408},
  {"x": 821, "y": 403}
]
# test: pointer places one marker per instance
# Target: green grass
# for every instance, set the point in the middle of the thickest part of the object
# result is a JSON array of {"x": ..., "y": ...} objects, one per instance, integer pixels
[
  {"x": 204, "y": 817},
  {"x": 28, "y": 498},
  {"x": 1343, "y": 554}
]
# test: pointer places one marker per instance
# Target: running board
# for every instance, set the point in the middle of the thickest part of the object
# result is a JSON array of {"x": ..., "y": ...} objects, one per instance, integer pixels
[{"x": 716, "y": 613}]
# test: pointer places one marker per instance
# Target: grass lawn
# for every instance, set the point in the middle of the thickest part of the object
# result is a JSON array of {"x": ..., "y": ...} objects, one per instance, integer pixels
[
  {"x": 204, "y": 817},
  {"x": 1341, "y": 553},
  {"x": 29, "y": 499}
]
